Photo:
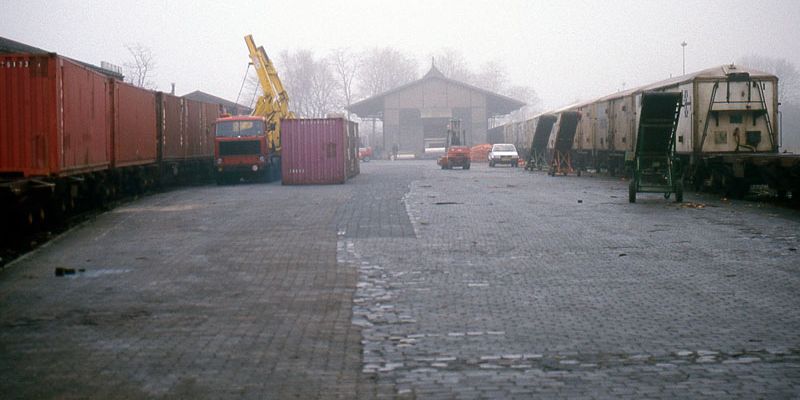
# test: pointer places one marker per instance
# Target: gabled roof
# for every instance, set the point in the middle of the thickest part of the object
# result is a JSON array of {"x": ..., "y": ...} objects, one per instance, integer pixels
[
  {"x": 230, "y": 106},
  {"x": 496, "y": 104}
]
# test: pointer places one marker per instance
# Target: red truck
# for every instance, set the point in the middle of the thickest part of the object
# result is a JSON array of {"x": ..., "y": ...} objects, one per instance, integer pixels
[{"x": 241, "y": 150}]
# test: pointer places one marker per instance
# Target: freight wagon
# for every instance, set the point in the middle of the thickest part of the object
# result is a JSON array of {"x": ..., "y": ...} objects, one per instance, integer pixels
[
  {"x": 727, "y": 137},
  {"x": 72, "y": 137}
]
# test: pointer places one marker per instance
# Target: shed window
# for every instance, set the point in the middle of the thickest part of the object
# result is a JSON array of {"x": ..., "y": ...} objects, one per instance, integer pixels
[{"x": 720, "y": 137}]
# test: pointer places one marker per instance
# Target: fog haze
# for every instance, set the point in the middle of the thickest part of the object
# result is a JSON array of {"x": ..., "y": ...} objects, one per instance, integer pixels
[{"x": 566, "y": 51}]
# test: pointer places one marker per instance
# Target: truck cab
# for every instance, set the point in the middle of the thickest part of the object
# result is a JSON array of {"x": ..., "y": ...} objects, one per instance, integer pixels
[{"x": 241, "y": 149}]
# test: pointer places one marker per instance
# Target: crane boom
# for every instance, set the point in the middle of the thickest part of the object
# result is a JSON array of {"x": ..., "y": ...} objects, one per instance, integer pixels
[{"x": 273, "y": 103}]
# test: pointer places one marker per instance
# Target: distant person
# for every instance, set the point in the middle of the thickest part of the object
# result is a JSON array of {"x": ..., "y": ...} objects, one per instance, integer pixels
[{"x": 395, "y": 150}]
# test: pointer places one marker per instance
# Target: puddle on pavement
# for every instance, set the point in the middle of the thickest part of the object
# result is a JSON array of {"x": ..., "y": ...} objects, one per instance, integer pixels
[
  {"x": 185, "y": 207},
  {"x": 87, "y": 273}
]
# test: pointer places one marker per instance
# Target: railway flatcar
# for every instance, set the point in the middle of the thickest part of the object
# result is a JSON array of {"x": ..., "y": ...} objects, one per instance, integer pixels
[
  {"x": 727, "y": 136},
  {"x": 73, "y": 138}
]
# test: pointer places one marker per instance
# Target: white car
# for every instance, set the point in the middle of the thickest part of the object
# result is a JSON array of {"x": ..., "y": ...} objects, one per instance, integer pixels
[{"x": 503, "y": 153}]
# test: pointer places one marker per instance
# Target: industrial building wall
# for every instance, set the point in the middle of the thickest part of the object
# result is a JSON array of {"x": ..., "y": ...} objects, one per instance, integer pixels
[{"x": 408, "y": 112}]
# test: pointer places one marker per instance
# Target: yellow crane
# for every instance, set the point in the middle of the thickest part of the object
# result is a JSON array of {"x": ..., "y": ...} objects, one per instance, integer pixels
[{"x": 273, "y": 103}]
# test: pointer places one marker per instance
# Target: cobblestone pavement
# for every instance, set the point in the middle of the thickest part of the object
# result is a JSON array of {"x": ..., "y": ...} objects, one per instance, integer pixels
[
  {"x": 213, "y": 292},
  {"x": 411, "y": 282},
  {"x": 518, "y": 285}
]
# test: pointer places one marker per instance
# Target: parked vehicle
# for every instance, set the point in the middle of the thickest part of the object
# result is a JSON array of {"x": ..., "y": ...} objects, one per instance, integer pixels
[
  {"x": 250, "y": 146},
  {"x": 365, "y": 153},
  {"x": 241, "y": 150},
  {"x": 503, "y": 153}
]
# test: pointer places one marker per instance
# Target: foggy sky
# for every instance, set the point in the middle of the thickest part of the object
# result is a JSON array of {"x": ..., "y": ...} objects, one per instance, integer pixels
[{"x": 566, "y": 51}]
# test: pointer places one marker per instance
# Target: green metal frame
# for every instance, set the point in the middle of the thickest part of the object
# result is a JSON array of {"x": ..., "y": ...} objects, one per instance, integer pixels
[{"x": 656, "y": 169}]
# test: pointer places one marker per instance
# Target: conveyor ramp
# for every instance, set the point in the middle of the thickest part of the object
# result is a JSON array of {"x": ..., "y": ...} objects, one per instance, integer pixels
[
  {"x": 655, "y": 167},
  {"x": 538, "y": 155}
]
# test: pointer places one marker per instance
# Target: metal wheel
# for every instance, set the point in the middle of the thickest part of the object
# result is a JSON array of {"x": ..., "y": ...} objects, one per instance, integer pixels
[
  {"x": 632, "y": 192},
  {"x": 679, "y": 192}
]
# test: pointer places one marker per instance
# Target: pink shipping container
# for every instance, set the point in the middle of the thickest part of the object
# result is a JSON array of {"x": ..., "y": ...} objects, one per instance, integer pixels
[
  {"x": 55, "y": 117},
  {"x": 318, "y": 151},
  {"x": 135, "y": 139}
]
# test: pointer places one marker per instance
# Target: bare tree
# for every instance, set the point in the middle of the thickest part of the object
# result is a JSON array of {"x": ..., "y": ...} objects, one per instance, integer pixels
[
  {"x": 788, "y": 76},
  {"x": 325, "y": 95},
  {"x": 525, "y": 94},
  {"x": 140, "y": 70},
  {"x": 345, "y": 66},
  {"x": 310, "y": 83},
  {"x": 492, "y": 77},
  {"x": 384, "y": 69},
  {"x": 453, "y": 65}
]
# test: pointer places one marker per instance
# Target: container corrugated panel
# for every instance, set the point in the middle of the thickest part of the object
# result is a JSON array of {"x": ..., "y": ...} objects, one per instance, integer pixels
[
  {"x": 195, "y": 122},
  {"x": 318, "y": 151},
  {"x": 172, "y": 125},
  {"x": 56, "y": 117},
  {"x": 135, "y": 139},
  {"x": 353, "y": 163},
  {"x": 206, "y": 138}
]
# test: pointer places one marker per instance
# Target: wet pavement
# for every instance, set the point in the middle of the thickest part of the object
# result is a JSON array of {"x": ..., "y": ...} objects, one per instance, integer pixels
[{"x": 411, "y": 282}]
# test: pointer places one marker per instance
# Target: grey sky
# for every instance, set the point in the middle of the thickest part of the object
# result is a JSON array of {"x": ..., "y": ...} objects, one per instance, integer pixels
[{"x": 565, "y": 50}]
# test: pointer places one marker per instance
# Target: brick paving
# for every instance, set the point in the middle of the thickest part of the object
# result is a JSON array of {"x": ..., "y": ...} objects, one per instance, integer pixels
[
  {"x": 213, "y": 292},
  {"x": 411, "y": 282}
]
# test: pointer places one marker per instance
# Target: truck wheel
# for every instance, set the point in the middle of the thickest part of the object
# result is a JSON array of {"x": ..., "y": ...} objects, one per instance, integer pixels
[{"x": 220, "y": 179}]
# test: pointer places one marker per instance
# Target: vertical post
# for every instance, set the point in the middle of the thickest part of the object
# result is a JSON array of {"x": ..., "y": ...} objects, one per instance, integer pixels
[{"x": 683, "y": 47}]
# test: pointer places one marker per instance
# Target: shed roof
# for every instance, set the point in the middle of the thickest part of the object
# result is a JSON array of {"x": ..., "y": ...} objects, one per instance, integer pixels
[
  {"x": 208, "y": 98},
  {"x": 495, "y": 103}
]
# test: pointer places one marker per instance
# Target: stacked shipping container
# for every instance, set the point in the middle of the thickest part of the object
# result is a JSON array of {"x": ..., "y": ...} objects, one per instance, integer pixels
[{"x": 57, "y": 117}]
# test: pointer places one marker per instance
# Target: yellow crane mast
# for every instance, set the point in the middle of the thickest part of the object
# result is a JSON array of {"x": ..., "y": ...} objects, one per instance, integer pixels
[{"x": 273, "y": 103}]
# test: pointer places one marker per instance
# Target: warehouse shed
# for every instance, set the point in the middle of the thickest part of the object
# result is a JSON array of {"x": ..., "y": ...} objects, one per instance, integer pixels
[{"x": 415, "y": 115}]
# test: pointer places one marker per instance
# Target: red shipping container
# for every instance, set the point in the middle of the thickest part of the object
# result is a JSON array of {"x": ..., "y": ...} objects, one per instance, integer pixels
[
  {"x": 195, "y": 121},
  {"x": 210, "y": 114},
  {"x": 135, "y": 139},
  {"x": 173, "y": 142},
  {"x": 318, "y": 151},
  {"x": 55, "y": 117}
]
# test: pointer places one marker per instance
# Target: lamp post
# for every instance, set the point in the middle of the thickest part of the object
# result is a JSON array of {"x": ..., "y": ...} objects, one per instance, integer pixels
[{"x": 683, "y": 47}]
